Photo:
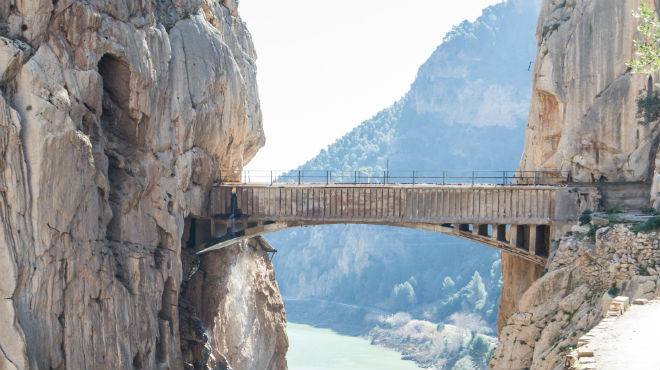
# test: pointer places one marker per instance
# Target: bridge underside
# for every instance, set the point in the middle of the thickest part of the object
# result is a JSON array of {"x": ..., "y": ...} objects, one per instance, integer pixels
[{"x": 530, "y": 242}]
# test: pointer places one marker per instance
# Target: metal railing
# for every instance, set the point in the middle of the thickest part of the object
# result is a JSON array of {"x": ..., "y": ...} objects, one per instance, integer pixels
[{"x": 368, "y": 177}]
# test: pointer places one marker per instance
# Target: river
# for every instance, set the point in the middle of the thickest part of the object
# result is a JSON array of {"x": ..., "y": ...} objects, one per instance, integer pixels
[{"x": 322, "y": 349}]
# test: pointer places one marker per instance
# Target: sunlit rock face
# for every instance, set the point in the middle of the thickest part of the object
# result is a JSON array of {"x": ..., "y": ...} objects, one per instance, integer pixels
[
  {"x": 589, "y": 116},
  {"x": 115, "y": 118},
  {"x": 574, "y": 294},
  {"x": 586, "y": 114}
]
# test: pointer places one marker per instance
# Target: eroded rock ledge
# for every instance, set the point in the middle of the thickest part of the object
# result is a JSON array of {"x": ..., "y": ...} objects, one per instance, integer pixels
[{"x": 575, "y": 292}]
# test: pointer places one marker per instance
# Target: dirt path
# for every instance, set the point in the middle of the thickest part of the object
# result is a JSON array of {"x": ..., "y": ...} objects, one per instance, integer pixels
[{"x": 632, "y": 342}]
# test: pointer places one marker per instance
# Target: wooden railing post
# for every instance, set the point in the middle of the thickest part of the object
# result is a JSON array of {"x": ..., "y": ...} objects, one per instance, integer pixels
[{"x": 299, "y": 177}]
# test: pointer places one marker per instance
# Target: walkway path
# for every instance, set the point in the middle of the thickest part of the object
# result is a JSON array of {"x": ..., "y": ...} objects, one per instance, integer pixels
[{"x": 631, "y": 341}]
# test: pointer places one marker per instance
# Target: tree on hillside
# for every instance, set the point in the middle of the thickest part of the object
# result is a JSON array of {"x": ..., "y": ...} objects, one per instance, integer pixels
[{"x": 647, "y": 46}]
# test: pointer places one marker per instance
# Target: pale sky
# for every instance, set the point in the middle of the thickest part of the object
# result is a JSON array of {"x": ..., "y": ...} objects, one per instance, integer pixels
[{"x": 326, "y": 66}]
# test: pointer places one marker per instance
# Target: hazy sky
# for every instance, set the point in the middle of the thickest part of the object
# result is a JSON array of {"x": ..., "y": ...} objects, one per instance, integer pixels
[{"x": 326, "y": 66}]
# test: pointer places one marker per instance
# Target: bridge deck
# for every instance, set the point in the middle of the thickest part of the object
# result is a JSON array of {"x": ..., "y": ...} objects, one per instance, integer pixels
[{"x": 435, "y": 204}]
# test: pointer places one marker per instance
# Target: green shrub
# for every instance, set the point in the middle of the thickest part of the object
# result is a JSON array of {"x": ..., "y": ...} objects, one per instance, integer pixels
[
  {"x": 592, "y": 231},
  {"x": 611, "y": 210},
  {"x": 648, "y": 225},
  {"x": 649, "y": 211},
  {"x": 648, "y": 108},
  {"x": 613, "y": 291},
  {"x": 584, "y": 219},
  {"x": 647, "y": 43}
]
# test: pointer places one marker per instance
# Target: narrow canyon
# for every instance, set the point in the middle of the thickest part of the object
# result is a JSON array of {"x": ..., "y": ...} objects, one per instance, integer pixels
[{"x": 117, "y": 118}]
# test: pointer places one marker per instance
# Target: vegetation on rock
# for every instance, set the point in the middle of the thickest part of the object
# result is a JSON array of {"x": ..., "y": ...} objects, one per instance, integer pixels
[{"x": 647, "y": 46}]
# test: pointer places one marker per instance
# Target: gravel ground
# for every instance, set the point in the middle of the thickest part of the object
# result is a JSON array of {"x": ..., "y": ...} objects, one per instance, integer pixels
[{"x": 632, "y": 342}]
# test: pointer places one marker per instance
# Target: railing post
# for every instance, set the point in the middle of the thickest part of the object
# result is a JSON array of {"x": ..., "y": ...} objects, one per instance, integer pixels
[
  {"x": 444, "y": 177},
  {"x": 413, "y": 178},
  {"x": 299, "y": 177},
  {"x": 384, "y": 177},
  {"x": 327, "y": 178},
  {"x": 503, "y": 177},
  {"x": 472, "y": 178},
  {"x": 271, "y": 178},
  {"x": 355, "y": 178}
]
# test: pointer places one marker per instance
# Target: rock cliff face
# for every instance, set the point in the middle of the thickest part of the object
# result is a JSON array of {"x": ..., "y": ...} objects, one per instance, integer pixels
[
  {"x": 115, "y": 118},
  {"x": 589, "y": 115},
  {"x": 573, "y": 295}
]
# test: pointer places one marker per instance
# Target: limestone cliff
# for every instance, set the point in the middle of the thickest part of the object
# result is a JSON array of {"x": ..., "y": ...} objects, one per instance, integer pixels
[
  {"x": 574, "y": 294},
  {"x": 115, "y": 119},
  {"x": 591, "y": 116}
]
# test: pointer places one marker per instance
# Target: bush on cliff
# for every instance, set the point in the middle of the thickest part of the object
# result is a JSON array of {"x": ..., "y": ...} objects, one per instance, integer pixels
[{"x": 648, "y": 225}]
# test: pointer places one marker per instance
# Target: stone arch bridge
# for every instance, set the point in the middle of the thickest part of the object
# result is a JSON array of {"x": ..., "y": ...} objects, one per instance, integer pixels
[{"x": 519, "y": 219}]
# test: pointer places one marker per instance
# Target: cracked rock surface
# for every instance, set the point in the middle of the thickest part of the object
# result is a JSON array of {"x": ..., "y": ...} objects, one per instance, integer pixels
[
  {"x": 115, "y": 120},
  {"x": 591, "y": 116},
  {"x": 575, "y": 293},
  {"x": 586, "y": 114}
]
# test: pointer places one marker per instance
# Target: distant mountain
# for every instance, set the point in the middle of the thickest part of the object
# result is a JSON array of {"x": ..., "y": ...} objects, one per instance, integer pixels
[{"x": 466, "y": 110}]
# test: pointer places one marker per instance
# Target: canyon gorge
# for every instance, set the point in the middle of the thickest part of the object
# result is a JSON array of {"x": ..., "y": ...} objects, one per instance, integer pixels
[{"x": 117, "y": 118}]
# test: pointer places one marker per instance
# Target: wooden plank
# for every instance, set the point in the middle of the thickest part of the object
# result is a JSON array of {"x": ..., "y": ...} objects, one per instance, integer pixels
[
  {"x": 256, "y": 192},
  {"x": 299, "y": 202},
  {"x": 514, "y": 204},
  {"x": 369, "y": 203},
  {"x": 342, "y": 204},
  {"x": 365, "y": 204},
  {"x": 398, "y": 198}
]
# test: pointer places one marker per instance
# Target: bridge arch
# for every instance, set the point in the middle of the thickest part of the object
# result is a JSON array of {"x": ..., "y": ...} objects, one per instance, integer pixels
[
  {"x": 518, "y": 219},
  {"x": 528, "y": 242}
]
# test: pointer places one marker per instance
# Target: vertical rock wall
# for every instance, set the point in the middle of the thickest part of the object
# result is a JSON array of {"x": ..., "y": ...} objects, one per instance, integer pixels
[
  {"x": 115, "y": 119},
  {"x": 589, "y": 115}
]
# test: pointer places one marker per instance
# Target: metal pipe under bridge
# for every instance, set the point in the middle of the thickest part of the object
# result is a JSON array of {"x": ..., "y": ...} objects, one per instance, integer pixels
[{"x": 518, "y": 219}]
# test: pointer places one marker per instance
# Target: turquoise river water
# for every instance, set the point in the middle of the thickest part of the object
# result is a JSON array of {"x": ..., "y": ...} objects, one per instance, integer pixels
[{"x": 322, "y": 349}]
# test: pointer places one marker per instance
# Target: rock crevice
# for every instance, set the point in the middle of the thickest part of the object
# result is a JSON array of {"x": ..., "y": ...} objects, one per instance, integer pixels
[{"x": 115, "y": 121}]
